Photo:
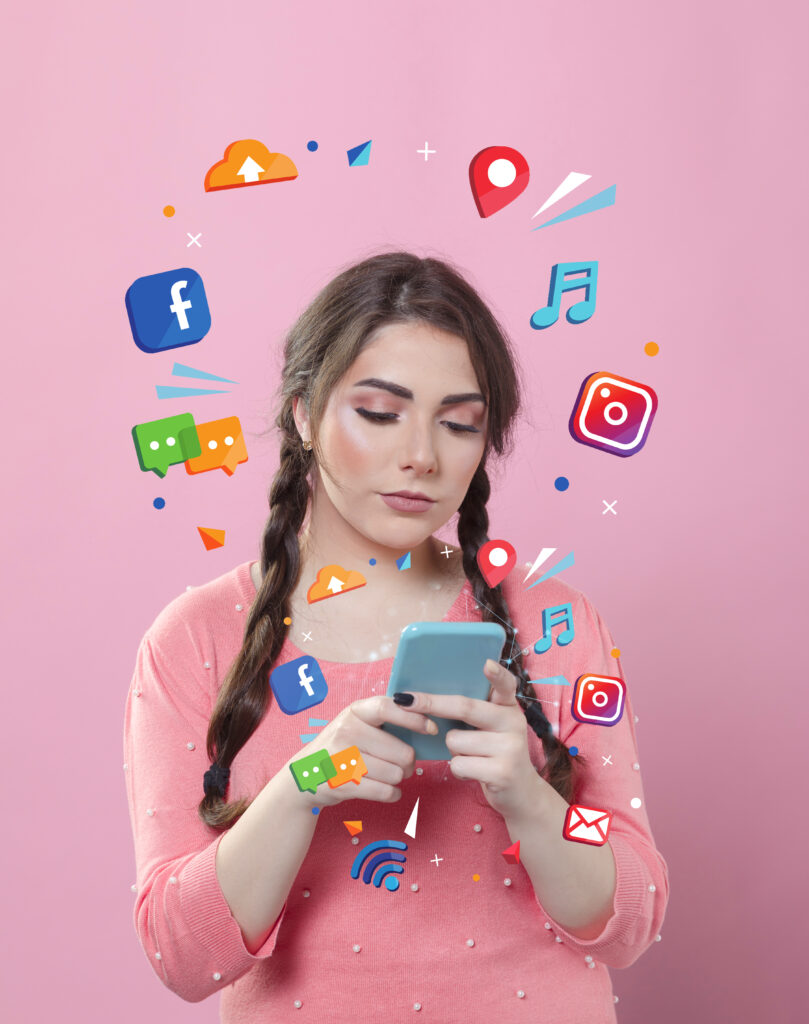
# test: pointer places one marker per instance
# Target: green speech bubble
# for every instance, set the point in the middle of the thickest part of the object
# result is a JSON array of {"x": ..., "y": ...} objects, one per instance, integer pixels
[
  {"x": 310, "y": 771},
  {"x": 166, "y": 442}
]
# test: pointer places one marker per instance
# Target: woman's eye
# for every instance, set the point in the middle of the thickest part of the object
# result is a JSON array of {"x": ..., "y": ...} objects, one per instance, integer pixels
[
  {"x": 461, "y": 428},
  {"x": 387, "y": 417},
  {"x": 379, "y": 416}
]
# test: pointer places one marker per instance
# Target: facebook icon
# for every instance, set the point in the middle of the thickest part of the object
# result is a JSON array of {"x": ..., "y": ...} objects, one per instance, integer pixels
[
  {"x": 298, "y": 685},
  {"x": 168, "y": 310}
]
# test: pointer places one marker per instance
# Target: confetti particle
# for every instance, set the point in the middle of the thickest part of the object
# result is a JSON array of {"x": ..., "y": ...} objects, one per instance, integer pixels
[
  {"x": 572, "y": 751},
  {"x": 651, "y": 348},
  {"x": 371, "y": 561},
  {"x": 616, "y": 652},
  {"x": 159, "y": 503},
  {"x": 358, "y": 156},
  {"x": 311, "y": 145},
  {"x": 512, "y": 853},
  {"x": 475, "y": 878},
  {"x": 168, "y": 211},
  {"x": 315, "y": 810},
  {"x": 635, "y": 802},
  {"x": 561, "y": 483},
  {"x": 287, "y": 621}
]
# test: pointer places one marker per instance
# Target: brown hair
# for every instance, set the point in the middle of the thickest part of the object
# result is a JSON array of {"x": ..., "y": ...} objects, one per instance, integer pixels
[{"x": 395, "y": 287}]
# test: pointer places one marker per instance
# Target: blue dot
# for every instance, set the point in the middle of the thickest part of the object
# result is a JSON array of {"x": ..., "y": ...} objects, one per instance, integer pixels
[
  {"x": 391, "y": 883},
  {"x": 315, "y": 810},
  {"x": 311, "y": 145},
  {"x": 561, "y": 483},
  {"x": 371, "y": 561},
  {"x": 159, "y": 502},
  {"x": 573, "y": 751}
]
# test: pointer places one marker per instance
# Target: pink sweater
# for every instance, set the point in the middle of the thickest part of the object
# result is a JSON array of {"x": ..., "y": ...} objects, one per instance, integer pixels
[{"x": 414, "y": 950}]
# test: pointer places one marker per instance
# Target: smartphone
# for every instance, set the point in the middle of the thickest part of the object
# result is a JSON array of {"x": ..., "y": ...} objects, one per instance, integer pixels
[{"x": 442, "y": 657}]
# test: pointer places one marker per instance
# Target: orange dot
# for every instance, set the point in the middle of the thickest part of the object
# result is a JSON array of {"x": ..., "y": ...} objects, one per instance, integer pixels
[
  {"x": 616, "y": 652},
  {"x": 168, "y": 211},
  {"x": 287, "y": 621},
  {"x": 651, "y": 348},
  {"x": 475, "y": 878}
]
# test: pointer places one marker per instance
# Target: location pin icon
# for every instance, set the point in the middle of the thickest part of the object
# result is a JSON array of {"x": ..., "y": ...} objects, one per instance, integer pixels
[
  {"x": 496, "y": 559},
  {"x": 498, "y": 174}
]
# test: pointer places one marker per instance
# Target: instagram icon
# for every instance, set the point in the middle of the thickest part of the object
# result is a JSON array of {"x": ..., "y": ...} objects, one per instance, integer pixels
[
  {"x": 613, "y": 413},
  {"x": 598, "y": 699}
]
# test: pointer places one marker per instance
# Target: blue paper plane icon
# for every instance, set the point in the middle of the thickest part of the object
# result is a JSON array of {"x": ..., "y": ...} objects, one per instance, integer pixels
[{"x": 359, "y": 155}]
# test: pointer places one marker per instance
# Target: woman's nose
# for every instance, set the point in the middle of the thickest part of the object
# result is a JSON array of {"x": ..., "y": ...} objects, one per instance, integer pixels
[{"x": 418, "y": 448}]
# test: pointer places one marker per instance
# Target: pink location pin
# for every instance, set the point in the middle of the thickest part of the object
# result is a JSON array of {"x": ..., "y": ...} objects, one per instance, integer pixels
[
  {"x": 496, "y": 559},
  {"x": 498, "y": 174}
]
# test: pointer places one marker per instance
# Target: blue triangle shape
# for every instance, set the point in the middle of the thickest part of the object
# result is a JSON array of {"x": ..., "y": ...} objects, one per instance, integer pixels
[{"x": 358, "y": 156}]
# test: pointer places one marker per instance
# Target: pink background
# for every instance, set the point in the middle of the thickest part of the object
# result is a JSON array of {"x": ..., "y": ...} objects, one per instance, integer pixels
[{"x": 693, "y": 110}]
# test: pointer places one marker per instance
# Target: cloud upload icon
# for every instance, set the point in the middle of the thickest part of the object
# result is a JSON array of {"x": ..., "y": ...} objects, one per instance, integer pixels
[
  {"x": 249, "y": 162},
  {"x": 333, "y": 580}
]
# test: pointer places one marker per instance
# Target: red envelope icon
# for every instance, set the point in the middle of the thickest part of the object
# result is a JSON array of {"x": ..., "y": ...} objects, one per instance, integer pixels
[{"x": 587, "y": 825}]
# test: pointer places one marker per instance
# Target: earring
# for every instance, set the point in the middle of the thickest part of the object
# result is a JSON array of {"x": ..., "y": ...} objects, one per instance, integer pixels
[{"x": 307, "y": 446}]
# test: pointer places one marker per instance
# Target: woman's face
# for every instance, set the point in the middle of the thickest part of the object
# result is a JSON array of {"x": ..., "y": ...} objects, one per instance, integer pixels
[{"x": 408, "y": 415}]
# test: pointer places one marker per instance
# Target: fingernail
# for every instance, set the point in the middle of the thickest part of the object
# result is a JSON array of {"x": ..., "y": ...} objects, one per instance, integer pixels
[
  {"x": 432, "y": 727},
  {"x": 404, "y": 699}
]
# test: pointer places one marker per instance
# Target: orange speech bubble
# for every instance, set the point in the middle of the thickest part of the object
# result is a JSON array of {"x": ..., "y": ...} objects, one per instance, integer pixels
[
  {"x": 350, "y": 766},
  {"x": 222, "y": 445}
]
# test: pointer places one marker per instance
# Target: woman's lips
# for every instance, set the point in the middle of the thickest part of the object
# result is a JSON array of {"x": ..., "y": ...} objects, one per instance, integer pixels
[{"x": 401, "y": 504}]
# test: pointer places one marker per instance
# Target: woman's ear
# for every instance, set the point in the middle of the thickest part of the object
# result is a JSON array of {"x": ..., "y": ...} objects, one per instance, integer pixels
[{"x": 301, "y": 416}]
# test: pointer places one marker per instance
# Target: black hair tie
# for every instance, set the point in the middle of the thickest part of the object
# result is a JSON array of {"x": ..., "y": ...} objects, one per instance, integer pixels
[{"x": 215, "y": 781}]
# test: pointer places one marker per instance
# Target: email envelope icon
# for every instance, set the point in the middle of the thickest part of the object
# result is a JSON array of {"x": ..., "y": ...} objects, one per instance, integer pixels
[{"x": 587, "y": 825}]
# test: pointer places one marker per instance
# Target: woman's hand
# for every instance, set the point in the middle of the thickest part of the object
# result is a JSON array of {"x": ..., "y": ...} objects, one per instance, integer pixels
[
  {"x": 496, "y": 754},
  {"x": 387, "y": 758}
]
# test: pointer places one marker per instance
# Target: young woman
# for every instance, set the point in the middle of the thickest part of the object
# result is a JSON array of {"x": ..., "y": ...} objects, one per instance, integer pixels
[{"x": 397, "y": 381}]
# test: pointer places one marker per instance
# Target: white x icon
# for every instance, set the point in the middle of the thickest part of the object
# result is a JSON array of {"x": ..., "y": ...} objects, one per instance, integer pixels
[
  {"x": 194, "y": 239},
  {"x": 606, "y": 760},
  {"x": 609, "y": 507},
  {"x": 307, "y": 636}
]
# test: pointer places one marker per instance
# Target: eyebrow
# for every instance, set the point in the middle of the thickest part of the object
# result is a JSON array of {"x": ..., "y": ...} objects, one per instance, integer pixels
[{"x": 401, "y": 392}]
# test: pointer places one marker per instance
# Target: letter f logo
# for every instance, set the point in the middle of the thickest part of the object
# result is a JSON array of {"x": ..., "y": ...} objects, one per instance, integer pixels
[
  {"x": 298, "y": 685},
  {"x": 178, "y": 305},
  {"x": 306, "y": 680},
  {"x": 155, "y": 327}
]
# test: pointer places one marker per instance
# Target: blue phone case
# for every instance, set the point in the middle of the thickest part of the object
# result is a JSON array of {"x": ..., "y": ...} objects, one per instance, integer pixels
[{"x": 443, "y": 657}]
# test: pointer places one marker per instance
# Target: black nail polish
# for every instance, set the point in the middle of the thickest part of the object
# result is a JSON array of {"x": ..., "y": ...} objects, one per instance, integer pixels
[{"x": 405, "y": 699}]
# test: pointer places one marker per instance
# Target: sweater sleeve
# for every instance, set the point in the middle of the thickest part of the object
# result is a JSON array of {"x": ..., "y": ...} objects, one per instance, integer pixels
[
  {"x": 610, "y": 782},
  {"x": 183, "y": 922}
]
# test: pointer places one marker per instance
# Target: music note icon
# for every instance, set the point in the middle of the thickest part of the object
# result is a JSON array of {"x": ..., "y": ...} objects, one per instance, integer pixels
[
  {"x": 555, "y": 616},
  {"x": 579, "y": 311}
]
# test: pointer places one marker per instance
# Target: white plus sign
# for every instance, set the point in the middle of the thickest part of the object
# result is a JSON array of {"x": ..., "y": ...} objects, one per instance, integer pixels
[
  {"x": 446, "y": 552},
  {"x": 436, "y": 859},
  {"x": 425, "y": 151}
]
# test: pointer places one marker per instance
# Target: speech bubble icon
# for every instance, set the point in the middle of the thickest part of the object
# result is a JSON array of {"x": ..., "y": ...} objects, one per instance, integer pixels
[
  {"x": 310, "y": 771},
  {"x": 222, "y": 446},
  {"x": 165, "y": 442},
  {"x": 349, "y": 765}
]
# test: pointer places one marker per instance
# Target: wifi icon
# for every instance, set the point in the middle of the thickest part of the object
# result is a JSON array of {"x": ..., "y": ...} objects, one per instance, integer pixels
[{"x": 386, "y": 871}]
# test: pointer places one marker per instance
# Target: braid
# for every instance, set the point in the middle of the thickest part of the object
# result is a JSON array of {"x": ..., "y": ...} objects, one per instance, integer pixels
[
  {"x": 244, "y": 695},
  {"x": 473, "y": 525}
]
